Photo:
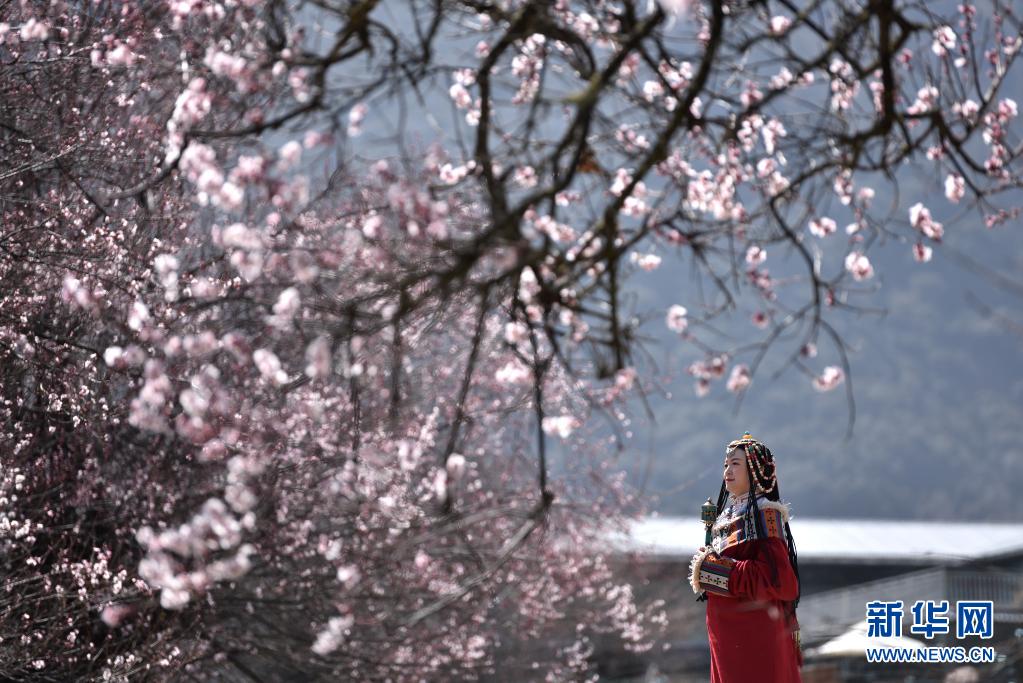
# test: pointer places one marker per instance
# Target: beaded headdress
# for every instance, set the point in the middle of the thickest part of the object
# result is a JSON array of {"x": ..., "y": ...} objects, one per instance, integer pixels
[{"x": 760, "y": 461}]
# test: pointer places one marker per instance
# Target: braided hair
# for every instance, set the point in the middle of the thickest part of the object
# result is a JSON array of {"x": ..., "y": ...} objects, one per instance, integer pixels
[{"x": 763, "y": 479}]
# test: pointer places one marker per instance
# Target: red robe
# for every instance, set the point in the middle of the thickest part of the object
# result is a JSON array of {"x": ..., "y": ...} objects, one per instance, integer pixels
[{"x": 748, "y": 586}]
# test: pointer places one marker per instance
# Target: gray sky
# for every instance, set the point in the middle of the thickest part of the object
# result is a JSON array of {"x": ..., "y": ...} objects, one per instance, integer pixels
[{"x": 938, "y": 390}]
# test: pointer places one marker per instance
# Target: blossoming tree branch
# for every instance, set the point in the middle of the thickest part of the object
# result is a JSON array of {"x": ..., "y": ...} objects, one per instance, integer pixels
[{"x": 299, "y": 297}]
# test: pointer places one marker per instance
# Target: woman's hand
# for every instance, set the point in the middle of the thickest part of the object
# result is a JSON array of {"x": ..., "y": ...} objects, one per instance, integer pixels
[{"x": 708, "y": 550}]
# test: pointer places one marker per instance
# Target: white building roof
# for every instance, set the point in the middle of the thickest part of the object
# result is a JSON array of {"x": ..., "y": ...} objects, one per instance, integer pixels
[
  {"x": 845, "y": 540},
  {"x": 855, "y": 641}
]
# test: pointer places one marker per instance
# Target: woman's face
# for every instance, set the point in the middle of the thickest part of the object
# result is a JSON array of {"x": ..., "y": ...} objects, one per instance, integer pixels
[{"x": 736, "y": 476}]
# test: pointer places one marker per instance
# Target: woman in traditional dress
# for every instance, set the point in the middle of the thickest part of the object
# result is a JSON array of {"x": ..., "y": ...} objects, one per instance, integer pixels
[{"x": 749, "y": 576}]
